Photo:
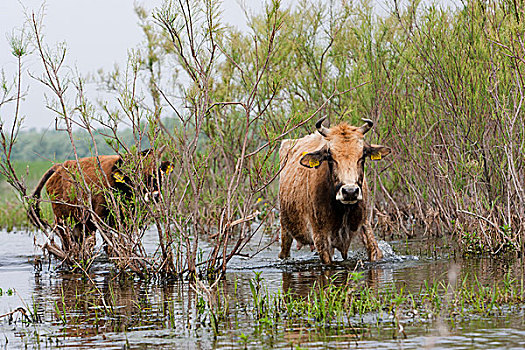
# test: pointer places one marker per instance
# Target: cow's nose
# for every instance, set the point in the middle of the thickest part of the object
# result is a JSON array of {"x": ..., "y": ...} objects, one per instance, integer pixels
[
  {"x": 155, "y": 195},
  {"x": 350, "y": 192}
]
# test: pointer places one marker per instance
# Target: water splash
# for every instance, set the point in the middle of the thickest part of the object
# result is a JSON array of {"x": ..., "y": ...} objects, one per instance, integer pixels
[
  {"x": 388, "y": 254},
  {"x": 306, "y": 259}
]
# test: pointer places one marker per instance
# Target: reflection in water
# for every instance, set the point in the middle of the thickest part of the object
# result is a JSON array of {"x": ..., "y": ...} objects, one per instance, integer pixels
[
  {"x": 79, "y": 312},
  {"x": 108, "y": 311},
  {"x": 300, "y": 283}
]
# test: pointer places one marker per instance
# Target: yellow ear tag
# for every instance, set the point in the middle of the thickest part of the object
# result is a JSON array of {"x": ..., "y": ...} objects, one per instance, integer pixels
[
  {"x": 313, "y": 163},
  {"x": 375, "y": 156},
  {"x": 169, "y": 169},
  {"x": 118, "y": 176},
  {"x": 303, "y": 154}
]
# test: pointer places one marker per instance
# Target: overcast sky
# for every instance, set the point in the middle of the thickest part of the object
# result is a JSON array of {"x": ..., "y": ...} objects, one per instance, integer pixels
[{"x": 98, "y": 34}]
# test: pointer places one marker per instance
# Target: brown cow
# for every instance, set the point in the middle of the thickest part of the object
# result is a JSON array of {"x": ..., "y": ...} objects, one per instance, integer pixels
[
  {"x": 323, "y": 191},
  {"x": 66, "y": 187}
]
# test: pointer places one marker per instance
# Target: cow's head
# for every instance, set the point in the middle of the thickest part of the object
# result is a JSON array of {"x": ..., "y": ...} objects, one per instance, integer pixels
[
  {"x": 153, "y": 180},
  {"x": 152, "y": 174},
  {"x": 345, "y": 152}
]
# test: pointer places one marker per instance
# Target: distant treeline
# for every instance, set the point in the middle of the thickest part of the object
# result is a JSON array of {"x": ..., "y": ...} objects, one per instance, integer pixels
[
  {"x": 34, "y": 145},
  {"x": 56, "y": 145}
]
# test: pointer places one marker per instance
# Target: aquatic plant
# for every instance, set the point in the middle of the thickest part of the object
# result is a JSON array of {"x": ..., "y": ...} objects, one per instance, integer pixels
[{"x": 341, "y": 306}]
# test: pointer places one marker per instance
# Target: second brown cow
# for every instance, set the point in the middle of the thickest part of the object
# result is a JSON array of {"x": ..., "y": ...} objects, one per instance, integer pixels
[
  {"x": 323, "y": 192},
  {"x": 78, "y": 192}
]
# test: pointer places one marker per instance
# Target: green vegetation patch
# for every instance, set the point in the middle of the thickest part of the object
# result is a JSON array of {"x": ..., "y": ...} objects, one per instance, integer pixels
[{"x": 342, "y": 306}]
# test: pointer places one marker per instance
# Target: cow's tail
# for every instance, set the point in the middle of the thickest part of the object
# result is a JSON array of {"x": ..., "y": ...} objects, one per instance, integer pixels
[{"x": 34, "y": 201}]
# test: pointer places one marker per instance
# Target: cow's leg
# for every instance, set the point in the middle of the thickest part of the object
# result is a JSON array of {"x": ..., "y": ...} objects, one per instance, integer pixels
[
  {"x": 84, "y": 233},
  {"x": 323, "y": 247},
  {"x": 369, "y": 240},
  {"x": 345, "y": 245},
  {"x": 344, "y": 250},
  {"x": 325, "y": 256},
  {"x": 90, "y": 238},
  {"x": 78, "y": 233},
  {"x": 65, "y": 239},
  {"x": 286, "y": 242},
  {"x": 342, "y": 241}
]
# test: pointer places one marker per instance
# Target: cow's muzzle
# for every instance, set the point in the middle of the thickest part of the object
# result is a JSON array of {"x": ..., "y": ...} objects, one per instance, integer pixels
[
  {"x": 152, "y": 196},
  {"x": 349, "y": 194}
]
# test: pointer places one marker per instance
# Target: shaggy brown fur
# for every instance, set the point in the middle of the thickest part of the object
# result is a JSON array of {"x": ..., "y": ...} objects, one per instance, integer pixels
[
  {"x": 67, "y": 189},
  {"x": 315, "y": 168}
]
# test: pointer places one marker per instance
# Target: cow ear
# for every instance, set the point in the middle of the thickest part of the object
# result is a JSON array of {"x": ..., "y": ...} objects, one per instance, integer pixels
[
  {"x": 118, "y": 176},
  {"x": 166, "y": 167},
  {"x": 314, "y": 159},
  {"x": 377, "y": 152},
  {"x": 146, "y": 152}
]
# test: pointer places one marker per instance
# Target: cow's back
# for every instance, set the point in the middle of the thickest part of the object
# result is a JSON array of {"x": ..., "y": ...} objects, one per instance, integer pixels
[
  {"x": 290, "y": 154},
  {"x": 66, "y": 185}
]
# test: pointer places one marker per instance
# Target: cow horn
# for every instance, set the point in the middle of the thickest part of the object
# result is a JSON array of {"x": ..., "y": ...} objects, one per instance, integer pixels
[
  {"x": 320, "y": 127},
  {"x": 366, "y": 127}
]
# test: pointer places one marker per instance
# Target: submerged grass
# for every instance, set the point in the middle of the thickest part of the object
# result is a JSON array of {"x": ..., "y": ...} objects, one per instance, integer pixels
[
  {"x": 251, "y": 312},
  {"x": 344, "y": 306}
]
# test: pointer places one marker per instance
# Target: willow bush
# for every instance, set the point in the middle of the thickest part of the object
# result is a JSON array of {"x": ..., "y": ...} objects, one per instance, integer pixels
[
  {"x": 444, "y": 87},
  {"x": 454, "y": 114}
]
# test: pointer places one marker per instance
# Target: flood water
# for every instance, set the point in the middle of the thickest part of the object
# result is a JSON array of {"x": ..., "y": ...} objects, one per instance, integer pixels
[{"x": 169, "y": 315}]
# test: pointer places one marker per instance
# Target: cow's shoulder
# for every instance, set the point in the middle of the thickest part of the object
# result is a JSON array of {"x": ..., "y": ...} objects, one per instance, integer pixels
[
  {"x": 286, "y": 147},
  {"x": 109, "y": 163},
  {"x": 293, "y": 149}
]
